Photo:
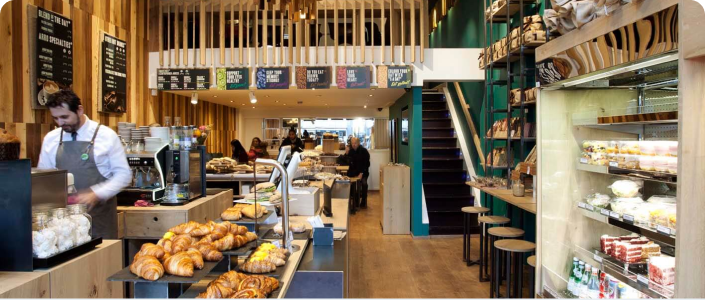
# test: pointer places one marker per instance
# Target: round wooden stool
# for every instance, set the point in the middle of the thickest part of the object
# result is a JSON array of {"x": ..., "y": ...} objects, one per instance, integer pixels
[
  {"x": 467, "y": 220},
  {"x": 514, "y": 250},
  {"x": 487, "y": 221},
  {"x": 532, "y": 263},
  {"x": 498, "y": 233}
]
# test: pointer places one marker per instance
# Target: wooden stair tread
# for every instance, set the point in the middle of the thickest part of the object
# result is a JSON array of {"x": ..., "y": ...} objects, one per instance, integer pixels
[{"x": 512, "y": 245}]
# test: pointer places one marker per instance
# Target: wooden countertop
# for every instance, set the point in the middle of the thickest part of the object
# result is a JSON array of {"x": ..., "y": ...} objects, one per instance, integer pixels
[
  {"x": 236, "y": 177},
  {"x": 186, "y": 207},
  {"x": 24, "y": 285},
  {"x": 526, "y": 203}
]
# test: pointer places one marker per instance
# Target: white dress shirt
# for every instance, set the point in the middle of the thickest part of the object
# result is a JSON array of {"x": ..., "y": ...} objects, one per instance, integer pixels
[{"x": 108, "y": 152}]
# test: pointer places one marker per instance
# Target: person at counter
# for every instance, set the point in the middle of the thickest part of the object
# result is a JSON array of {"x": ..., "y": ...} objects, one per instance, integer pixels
[
  {"x": 359, "y": 167},
  {"x": 296, "y": 144},
  {"x": 93, "y": 154},
  {"x": 257, "y": 149},
  {"x": 239, "y": 152}
]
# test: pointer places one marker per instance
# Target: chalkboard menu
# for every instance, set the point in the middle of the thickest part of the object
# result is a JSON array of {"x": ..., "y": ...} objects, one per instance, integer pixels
[
  {"x": 232, "y": 78},
  {"x": 394, "y": 77},
  {"x": 114, "y": 75},
  {"x": 54, "y": 55},
  {"x": 353, "y": 77},
  {"x": 183, "y": 79},
  {"x": 273, "y": 78},
  {"x": 313, "y": 78}
]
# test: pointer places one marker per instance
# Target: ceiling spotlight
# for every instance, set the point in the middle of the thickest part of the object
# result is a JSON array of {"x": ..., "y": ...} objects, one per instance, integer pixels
[
  {"x": 194, "y": 98},
  {"x": 328, "y": 119},
  {"x": 243, "y": 104},
  {"x": 276, "y": 101},
  {"x": 370, "y": 95},
  {"x": 365, "y": 106},
  {"x": 214, "y": 96},
  {"x": 253, "y": 107},
  {"x": 266, "y": 96},
  {"x": 313, "y": 89},
  {"x": 284, "y": 104},
  {"x": 231, "y": 101},
  {"x": 253, "y": 99}
]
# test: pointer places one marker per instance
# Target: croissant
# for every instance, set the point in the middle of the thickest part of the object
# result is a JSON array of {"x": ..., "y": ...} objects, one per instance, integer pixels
[
  {"x": 258, "y": 267},
  {"x": 221, "y": 228},
  {"x": 231, "y": 214},
  {"x": 196, "y": 256},
  {"x": 262, "y": 283},
  {"x": 226, "y": 243},
  {"x": 275, "y": 260},
  {"x": 166, "y": 244},
  {"x": 250, "y": 236},
  {"x": 240, "y": 241},
  {"x": 179, "y": 264},
  {"x": 237, "y": 229},
  {"x": 166, "y": 255},
  {"x": 147, "y": 267},
  {"x": 232, "y": 279},
  {"x": 184, "y": 227},
  {"x": 151, "y": 250},
  {"x": 216, "y": 290},
  {"x": 181, "y": 243},
  {"x": 248, "y": 294},
  {"x": 255, "y": 211},
  {"x": 209, "y": 252},
  {"x": 201, "y": 230}
]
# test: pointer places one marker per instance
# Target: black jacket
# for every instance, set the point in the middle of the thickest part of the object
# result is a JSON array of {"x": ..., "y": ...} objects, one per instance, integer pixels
[
  {"x": 296, "y": 146},
  {"x": 359, "y": 162}
]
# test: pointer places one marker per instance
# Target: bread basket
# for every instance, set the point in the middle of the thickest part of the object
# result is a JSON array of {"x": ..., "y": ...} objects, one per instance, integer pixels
[{"x": 9, "y": 146}]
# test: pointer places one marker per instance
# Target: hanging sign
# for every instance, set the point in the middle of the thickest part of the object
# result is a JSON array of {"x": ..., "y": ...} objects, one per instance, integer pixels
[
  {"x": 353, "y": 77},
  {"x": 273, "y": 78},
  {"x": 183, "y": 79},
  {"x": 54, "y": 55},
  {"x": 114, "y": 75},
  {"x": 232, "y": 78},
  {"x": 313, "y": 78},
  {"x": 394, "y": 77}
]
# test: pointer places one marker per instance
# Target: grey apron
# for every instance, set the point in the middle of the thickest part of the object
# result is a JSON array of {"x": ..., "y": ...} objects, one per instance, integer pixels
[{"x": 78, "y": 159}]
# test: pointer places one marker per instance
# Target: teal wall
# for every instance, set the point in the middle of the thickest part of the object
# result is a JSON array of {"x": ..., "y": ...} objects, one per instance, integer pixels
[
  {"x": 463, "y": 28},
  {"x": 411, "y": 154}
]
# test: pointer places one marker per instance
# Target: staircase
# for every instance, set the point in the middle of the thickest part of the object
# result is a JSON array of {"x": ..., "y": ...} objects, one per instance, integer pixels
[{"x": 443, "y": 174}]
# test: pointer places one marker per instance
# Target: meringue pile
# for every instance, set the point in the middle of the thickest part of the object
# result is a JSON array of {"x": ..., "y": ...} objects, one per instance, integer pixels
[{"x": 61, "y": 235}]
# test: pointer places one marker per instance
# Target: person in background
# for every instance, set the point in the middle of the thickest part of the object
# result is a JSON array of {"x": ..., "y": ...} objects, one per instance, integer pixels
[
  {"x": 296, "y": 144},
  {"x": 257, "y": 149},
  {"x": 239, "y": 152},
  {"x": 306, "y": 135},
  {"x": 359, "y": 167},
  {"x": 93, "y": 154}
]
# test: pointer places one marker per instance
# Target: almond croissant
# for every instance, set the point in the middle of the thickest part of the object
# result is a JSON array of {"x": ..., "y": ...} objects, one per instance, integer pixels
[
  {"x": 262, "y": 283},
  {"x": 179, "y": 264},
  {"x": 147, "y": 267},
  {"x": 152, "y": 250},
  {"x": 232, "y": 279},
  {"x": 197, "y": 258}
]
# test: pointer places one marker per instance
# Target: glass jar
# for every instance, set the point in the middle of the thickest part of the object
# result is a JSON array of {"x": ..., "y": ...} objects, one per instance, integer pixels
[
  {"x": 83, "y": 221},
  {"x": 167, "y": 121},
  {"x": 186, "y": 134},
  {"x": 43, "y": 237},
  {"x": 40, "y": 221},
  {"x": 175, "y": 138},
  {"x": 518, "y": 189},
  {"x": 61, "y": 224}
]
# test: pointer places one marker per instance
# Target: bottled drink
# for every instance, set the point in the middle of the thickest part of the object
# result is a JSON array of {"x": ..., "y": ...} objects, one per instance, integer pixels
[
  {"x": 593, "y": 285},
  {"x": 582, "y": 291},
  {"x": 571, "y": 278},
  {"x": 603, "y": 285},
  {"x": 175, "y": 138},
  {"x": 578, "y": 277},
  {"x": 187, "y": 133}
]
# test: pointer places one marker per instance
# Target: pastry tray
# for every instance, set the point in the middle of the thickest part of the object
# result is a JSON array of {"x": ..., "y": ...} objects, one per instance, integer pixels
[
  {"x": 270, "y": 235},
  {"x": 279, "y": 272},
  {"x": 194, "y": 290},
  {"x": 66, "y": 255},
  {"x": 127, "y": 276},
  {"x": 244, "y": 220}
]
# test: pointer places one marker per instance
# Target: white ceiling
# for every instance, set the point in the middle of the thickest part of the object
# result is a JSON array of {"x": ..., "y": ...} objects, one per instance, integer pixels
[{"x": 333, "y": 97}]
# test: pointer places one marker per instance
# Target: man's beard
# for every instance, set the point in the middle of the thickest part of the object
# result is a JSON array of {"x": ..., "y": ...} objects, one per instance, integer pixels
[{"x": 71, "y": 128}]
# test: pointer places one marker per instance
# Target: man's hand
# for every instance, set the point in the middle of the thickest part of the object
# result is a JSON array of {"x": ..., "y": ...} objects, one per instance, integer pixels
[
  {"x": 88, "y": 198},
  {"x": 359, "y": 176}
]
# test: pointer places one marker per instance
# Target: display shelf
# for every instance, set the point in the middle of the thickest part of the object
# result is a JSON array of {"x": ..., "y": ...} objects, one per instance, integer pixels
[
  {"x": 633, "y": 275},
  {"x": 662, "y": 234},
  {"x": 633, "y": 174},
  {"x": 526, "y": 203},
  {"x": 525, "y": 104},
  {"x": 126, "y": 276}
]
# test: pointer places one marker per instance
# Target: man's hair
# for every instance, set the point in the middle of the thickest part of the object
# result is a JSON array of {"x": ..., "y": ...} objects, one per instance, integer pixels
[{"x": 67, "y": 97}]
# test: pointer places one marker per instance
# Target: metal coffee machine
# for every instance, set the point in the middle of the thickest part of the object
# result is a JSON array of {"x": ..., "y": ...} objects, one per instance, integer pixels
[
  {"x": 186, "y": 179},
  {"x": 148, "y": 177}
]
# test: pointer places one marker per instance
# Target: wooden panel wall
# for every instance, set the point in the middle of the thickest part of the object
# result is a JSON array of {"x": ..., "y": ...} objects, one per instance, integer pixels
[{"x": 126, "y": 19}]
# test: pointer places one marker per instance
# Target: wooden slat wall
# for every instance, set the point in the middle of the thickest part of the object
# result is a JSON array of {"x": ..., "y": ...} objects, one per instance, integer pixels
[{"x": 125, "y": 19}]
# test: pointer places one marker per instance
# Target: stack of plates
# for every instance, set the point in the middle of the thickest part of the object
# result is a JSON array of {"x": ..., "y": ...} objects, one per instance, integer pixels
[
  {"x": 136, "y": 134},
  {"x": 145, "y": 131},
  {"x": 152, "y": 143},
  {"x": 160, "y": 132},
  {"x": 124, "y": 130}
]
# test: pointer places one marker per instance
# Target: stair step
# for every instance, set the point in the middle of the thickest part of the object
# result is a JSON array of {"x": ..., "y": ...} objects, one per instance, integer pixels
[
  {"x": 453, "y": 196},
  {"x": 444, "y": 170},
  {"x": 435, "y": 119},
  {"x": 439, "y": 138},
  {"x": 446, "y": 183},
  {"x": 442, "y": 158},
  {"x": 440, "y": 148},
  {"x": 438, "y": 128},
  {"x": 433, "y": 110}
]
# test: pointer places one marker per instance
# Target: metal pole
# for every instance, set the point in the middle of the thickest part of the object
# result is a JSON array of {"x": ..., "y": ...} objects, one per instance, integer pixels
[{"x": 285, "y": 195}]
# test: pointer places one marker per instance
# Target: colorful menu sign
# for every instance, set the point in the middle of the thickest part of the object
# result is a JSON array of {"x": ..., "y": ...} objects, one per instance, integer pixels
[
  {"x": 273, "y": 78},
  {"x": 353, "y": 77},
  {"x": 313, "y": 77},
  {"x": 183, "y": 79},
  {"x": 54, "y": 55},
  {"x": 114, "y": 75},
  {"x": 232, "y": 78},
  {"x": 394, "y": 77}
]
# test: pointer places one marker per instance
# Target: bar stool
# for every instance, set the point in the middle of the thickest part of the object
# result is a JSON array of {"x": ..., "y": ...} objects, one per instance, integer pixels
[
  {"x": 467, "y": 211},
  {"x": 497, "y": 233},
  {"x": 532, "y": 262},
  {"x": 484, "y": 242},
  {"x": 514, "y": 250}
]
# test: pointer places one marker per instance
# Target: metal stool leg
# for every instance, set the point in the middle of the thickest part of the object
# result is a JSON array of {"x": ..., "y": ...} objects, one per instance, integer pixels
[
  {"x": 493, "y": 269},
  {"x": 466, "y": 256},
  {"x": 531, "y": 282},
  {"x": 519, "y": 261},
  {"x": 509, "y": 276},
  {"x": 483, "y": 253}
]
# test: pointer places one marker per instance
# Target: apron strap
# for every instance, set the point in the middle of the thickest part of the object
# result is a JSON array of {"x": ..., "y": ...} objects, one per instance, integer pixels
[
  {"x": 95, "y": 134},
  {"x": 61, "y": 137}
]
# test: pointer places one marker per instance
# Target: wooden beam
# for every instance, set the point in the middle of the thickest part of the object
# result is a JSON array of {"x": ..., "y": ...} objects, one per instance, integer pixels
[
  {"x": 424, "y": 26},
  {"x": 290, "y": 42},
  {"x": 265, "y": 35},
  {"x": 345, "y": 32},
  {"x": 177, "y": 56},
  {"x": 212, "y": 35},
  {"x": 281, "y": 33},
  {"x": 335, "y": 30},
  {"x": 384, "y": 33},
  {"x": 391, "y": 28},
  {"x": 161, "y": 40},
  {"x": 354, "y": 31},
  {"x": 256, "y": 46},
  {"x": 222, "y": 32},
  {"x": 232, "y": 32},
  {"x": 362, "y": 31},
  {"x": 327, "y": 30},
  {"x": 168, "y": 34},
  {"x": 193, "y": 36},
  {"x": 372, "y": 37},
  {"x": 307, "y": 23},
  {"x": 241, "y": 33},
  {"x": 203, "y": 32},
  {"x": 412, "y": 10},
  {"x": 185, "y": 33},
  {"x": 403, "y": 32},
  {"x": 299, "y": 40},
  {"x": 471, "y": 124},
  {"x": 249, "y": 36}
]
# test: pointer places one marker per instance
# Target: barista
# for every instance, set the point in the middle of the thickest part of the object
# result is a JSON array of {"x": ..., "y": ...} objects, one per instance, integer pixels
[
  {"x": 93, "y": 154},
  {"x": 296, "y": 144}
]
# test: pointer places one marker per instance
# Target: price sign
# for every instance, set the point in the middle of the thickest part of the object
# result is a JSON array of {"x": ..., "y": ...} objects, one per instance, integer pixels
[
  {"x": 614, "y": 164},
  {"x": 581, "y": 205},
  {"x": 614, "y": 215},
  {"x": 597, "y": 258},
  {"x": 589, "y": 207},
  {"x": 642, "y": 279},
  {"x": 604, "y": 212},
  {"x": 663, "y": 230},
  {"x": 583, "y": 160},
  {"x": 628, "y": 219}
]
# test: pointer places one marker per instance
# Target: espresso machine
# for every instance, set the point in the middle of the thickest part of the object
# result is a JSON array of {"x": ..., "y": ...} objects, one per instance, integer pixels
[
  {"x": 148, "y": 177},
  {"x": 186, "y": 179}
]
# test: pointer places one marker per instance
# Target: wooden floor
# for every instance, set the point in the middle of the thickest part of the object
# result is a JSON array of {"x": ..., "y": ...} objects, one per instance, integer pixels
[{"x": 399, "y": 266}]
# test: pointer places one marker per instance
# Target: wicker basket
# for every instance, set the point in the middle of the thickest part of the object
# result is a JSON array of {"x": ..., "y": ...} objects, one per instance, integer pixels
[{"x": 9, "y": 151}]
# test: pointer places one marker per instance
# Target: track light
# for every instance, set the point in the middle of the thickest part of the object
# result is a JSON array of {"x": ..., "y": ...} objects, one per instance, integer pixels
[
  {"x": 253, "y": 99},
  {"x": 194, "y": 98}
]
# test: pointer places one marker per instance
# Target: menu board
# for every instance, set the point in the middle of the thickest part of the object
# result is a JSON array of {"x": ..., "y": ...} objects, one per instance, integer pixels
[
  {"x": 313, "y": 78},
  {"x": 114, "y": 75},
  {"x": 273, "y": 78},
  {"x": 232, "y": 78},
  {"x": 353, "y": 77},
  {"x": 54, "y": 55},
  {"x": 394, "y": 77},
  {"x": 183, "y": 79}
]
